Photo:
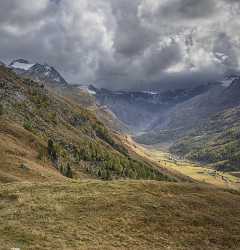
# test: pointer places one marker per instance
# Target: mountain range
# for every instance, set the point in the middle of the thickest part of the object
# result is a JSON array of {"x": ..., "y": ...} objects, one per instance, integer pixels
[
  {"x": 145, "y": 110},
  {"x": 174, "y": 117}
]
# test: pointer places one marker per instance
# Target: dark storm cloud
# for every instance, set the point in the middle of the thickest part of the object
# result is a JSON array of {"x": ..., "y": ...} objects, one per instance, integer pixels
[
  {"x": 124, "y": 44},
  {"x": 159, "y": 59},
  {"x": 196, "y": 8},
  {"x": 131, "y": 37},
  {"x": 176, "y": 10},
  {"x": 141, "y": 71}
]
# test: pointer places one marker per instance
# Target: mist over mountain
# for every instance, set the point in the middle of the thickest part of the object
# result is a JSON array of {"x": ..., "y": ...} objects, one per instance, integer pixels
[{"x": 142, "y": 110}]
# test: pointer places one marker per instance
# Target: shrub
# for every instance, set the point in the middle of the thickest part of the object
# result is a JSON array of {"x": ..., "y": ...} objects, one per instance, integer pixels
[
  {"x": 51, "y": 151},
  {"x": 28, "y": 125},
  {"x": 68, "y": 171},
  {"x": 1, "y": 109}
]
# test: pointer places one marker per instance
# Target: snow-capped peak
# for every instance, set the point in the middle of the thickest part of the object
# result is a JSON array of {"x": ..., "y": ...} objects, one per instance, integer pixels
[
  {"x": 21, "y": 64},
  {"x": 38, "y": 72}
]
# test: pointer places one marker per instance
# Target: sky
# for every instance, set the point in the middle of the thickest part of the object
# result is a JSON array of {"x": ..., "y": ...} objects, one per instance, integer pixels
[{"x": 125, "y": 44}]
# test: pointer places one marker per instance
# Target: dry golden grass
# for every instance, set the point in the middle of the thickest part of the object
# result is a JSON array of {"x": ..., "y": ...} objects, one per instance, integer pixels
[
  {"x": 17, "y": 147},
  {"x": 141, "y": 152},
  {"x": 118, "y": 215}
]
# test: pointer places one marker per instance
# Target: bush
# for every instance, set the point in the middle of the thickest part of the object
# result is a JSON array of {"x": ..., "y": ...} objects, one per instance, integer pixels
[
  {"x": 51, "y": 151},
  {"x": 1, "y": 109},
  {"x": 28, "y": 125},
  {"x": 66, "y": 171}
]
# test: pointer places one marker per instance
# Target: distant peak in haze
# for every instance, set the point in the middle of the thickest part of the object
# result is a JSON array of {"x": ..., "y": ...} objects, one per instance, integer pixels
[
  {"x": 21, "y": 64},
  {"x": 38, "y": 72}
]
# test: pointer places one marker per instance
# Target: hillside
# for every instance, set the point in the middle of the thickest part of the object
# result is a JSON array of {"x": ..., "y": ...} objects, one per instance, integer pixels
[
  {"x": 118, "y": 215},
  {"x": 40, "y": 129},
  {"x": 216, "y": 141},
  {"x": 82, "y": 96}
]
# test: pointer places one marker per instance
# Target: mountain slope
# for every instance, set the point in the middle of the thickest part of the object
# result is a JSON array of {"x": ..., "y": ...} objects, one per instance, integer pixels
[
  {"x": 216, "y": 141},
  {"x": 63, "y": 135},
  {"x": 86, "y": 98}
]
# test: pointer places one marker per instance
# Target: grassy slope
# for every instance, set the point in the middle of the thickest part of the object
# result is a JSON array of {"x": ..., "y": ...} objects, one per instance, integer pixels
[
  {"x": 118, "y": 215},
  {"x": 19, "y": 146}
]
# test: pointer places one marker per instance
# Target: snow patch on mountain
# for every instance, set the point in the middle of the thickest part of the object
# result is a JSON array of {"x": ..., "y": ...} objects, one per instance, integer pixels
[
  {"x": 86, "y": 89},
  {"x": 38, "y": 72},
  {"x": 150, "y": 92},
  {"x": 24, "y": 66}
]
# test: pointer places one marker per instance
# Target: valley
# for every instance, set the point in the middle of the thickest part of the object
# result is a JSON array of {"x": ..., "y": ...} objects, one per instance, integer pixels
[
  {"x": 198, "y": 172},
  {"x": 201, "y": 123}
]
